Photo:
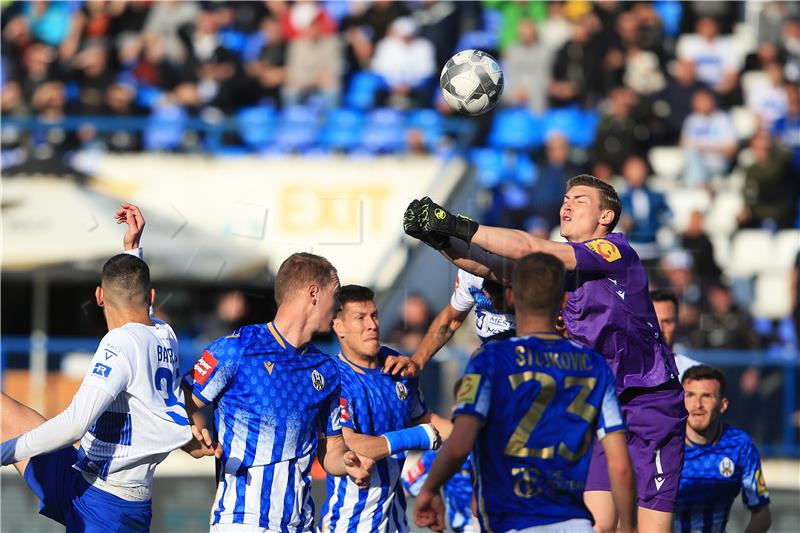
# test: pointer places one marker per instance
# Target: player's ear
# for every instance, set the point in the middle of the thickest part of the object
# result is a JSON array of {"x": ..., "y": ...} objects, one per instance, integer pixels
[
  {"x": 606, "y": 217},
  {"x": 337, "y": 327},
  {"x": 98, "y": 296},
  {"x": 152, "y": 296},
  {"x": 509, "y": 297},
  {"x": 313, "y": 293},
  {"x": 723, "y": 405}
]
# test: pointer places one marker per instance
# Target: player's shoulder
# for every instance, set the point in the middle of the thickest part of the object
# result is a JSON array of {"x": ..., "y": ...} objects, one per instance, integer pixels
[
  {"x": 118, "y": 341},
  {"x": 467, "y": 280},
  {"x": 241, "y": 340},
  {"x": 735, "y": 437}
]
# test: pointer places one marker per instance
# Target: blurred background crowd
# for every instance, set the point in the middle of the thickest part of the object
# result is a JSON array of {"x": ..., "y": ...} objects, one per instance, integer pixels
[{"x": 691, "y": 109}]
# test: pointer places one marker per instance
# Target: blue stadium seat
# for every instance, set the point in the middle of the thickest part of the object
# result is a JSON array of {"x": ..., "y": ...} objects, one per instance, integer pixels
[
  {"x": 256, "y": 126},
  {"x": 342, "y": 129},
  {"x": 489, "y": 166},
  {"x": 578, "y": 126},
  {"x": 298, "y": 129},
  {"x": 165, "y": 128},
  {"x": 431, "y": 124},
  {"x": 516, "y": 129},
  {"x": 147, "y": 96},
  {"x": 384, "y": 131},
  {"x": 477, "y": 40},
  {"x": 362, "y": 89}
]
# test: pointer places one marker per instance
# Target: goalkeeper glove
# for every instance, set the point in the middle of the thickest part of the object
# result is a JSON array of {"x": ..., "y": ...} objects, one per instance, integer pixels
[
  {"x": 412, "y": 228},
  {"x": 434, "y": 219}
]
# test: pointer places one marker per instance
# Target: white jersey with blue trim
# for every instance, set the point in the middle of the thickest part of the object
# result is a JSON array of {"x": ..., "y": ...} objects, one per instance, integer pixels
[
  {"x": 138, "y": 366},
  {"x": 489, "y": 322}
]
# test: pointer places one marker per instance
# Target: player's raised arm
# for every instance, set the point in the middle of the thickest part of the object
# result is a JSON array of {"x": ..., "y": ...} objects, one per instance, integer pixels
[
  {"x": 436, "y": 222},
  {"x": 131, "y": 215}
]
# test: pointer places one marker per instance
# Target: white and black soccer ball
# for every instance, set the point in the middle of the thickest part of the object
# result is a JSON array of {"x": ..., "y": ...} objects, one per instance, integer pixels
[{"x": 471, "y": 82}]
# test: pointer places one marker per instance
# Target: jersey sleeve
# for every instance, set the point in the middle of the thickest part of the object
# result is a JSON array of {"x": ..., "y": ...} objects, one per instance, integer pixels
[
  {"x": 348, "y": 402},
  {"x": 602, "y": 255},
  {"x": 461, "y": 299},
  {"x": 215, "y": 369},
  {"x": 610, "y": 419},
  {"x": 475, "y": 392},
  {"x": 111, "y": 368},
  {"x": 754, "y": 489},
  {"x": 415, "y": 476},
  {"x": 418, "y": 407},
  {"x": 331, "y": 426}
]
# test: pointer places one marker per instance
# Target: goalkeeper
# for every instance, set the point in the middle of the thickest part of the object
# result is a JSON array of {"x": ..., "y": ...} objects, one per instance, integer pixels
[{"x": 609, "y": 310}]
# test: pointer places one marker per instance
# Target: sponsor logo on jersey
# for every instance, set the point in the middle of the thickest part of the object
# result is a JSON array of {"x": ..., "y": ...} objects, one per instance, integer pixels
[
  {"x": 101, "y": 370},
  {"x": 343, "y": 413},
  {"x": 401, "y": 390},
  {"x": 269, "y": 365},
  {"x": 317, "y": 380},
  {"x": 468, "y": 390},
  {"x": 605, "y": 249},
  {"x": 726, "y": 467},
  {"x": 761, "y": 485},
  {"x": 204, "y": 367}
]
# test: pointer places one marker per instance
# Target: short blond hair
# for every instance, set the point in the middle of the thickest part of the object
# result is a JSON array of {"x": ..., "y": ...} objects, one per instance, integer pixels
[{"x": 300, "y": 270}]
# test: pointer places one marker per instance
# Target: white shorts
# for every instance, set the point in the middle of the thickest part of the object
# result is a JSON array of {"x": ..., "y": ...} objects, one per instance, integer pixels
[{"x": 576, "y": 525}]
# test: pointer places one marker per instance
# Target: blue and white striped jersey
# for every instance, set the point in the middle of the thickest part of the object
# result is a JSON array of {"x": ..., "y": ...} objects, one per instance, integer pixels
[
  {"x": 373, "y": 403},
  {"x": 489, "y": 322},
  {"x": 271, "y": 402},
  {"x": 457, "y": 492},
  {"x": 711, "y": 479},
  {"x": 542, "y": 399}
]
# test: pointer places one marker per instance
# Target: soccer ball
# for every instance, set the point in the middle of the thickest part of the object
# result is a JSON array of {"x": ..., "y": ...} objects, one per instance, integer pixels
[{"x": 471, "y": 82}]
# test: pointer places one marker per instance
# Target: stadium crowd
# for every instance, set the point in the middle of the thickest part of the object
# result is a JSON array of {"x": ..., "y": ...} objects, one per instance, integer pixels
[{"x": 693, "y": 114}]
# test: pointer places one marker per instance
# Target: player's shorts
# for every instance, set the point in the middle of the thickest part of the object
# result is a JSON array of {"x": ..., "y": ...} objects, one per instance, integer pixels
[
  {"x": 66, "y": 497},
  {"x": 576, "y": 525},
  {"x": 656, "y": 423},
  {"x": 239, "y": 528}
]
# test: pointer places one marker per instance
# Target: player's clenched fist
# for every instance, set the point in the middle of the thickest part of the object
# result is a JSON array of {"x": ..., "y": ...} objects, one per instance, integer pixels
[
  {"x": 412, "y": 228},
  {"x": 429, "y": 510},
  {"x": 434, "y": 219}
]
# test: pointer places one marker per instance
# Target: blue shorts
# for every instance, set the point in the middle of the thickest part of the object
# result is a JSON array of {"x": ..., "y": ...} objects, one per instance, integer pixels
[{"x": 66, "y": 497}]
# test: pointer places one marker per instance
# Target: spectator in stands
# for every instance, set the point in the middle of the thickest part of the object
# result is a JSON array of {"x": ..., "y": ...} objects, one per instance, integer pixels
[
  {"x": 644, "y": 211},
  {"x": 164, "y": 20},
  {"x": 723, "y": 325},
  {"x": 768, "y": 99},
  {"x": 438, "y": 22},
  {"x": 555, "y": 30},
  {"x": 415, "y": 319},
  {"x": 512, "y": 13},
  {"x": 770, "y": 189},
  {"x": 795, "y": 295},
  {"x": 230, "y": 313},
  {"x": 577, "y": 76},
  {"x": 766, "y": 53},
  {"x": 715, "y": 57},
  {"x": 696, "y": 242},
  {"x": 406, "y": 63},
  {"x": 314, "y": 61},
  {"x": 665, "y": 303},
  {"x": 120, "y": 101},
  {"x": 676, "y": 268},
  {"x": 266, "y": 63},
  {"x": 547, "y": 193},
  {"x": 709, "y": 139},
  {"x": 791, "y": 42},
  {"x": 376, "y": 19},
  {"x": 93, "y": 76},
  {"x": 619, "y": 135},
  {"x": 786, "y": 130},
  {"x": 626, "y": 62},
  {"x": 674, "y": 103},
  {"x": 527, "y": 66}
]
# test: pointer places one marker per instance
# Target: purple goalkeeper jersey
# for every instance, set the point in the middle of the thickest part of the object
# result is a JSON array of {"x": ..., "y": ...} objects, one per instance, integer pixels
[{"x": 609, "y": 310}]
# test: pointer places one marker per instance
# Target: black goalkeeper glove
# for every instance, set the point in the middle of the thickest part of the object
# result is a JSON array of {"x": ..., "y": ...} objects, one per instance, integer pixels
[
  {"x": 412, "y": 228},
  {"x": 435, "y": 219}
]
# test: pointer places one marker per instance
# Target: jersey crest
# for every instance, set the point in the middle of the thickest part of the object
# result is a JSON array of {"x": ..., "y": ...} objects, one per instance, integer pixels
[
  {"x": 317, "y": 380},
  {"x": 401, "y": 390},
  {"x": 726, "y": 467},
  {"x": 605, "y": 249}
]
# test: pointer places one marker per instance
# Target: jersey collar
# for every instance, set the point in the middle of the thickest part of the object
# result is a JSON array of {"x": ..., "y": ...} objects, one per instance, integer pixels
[
  {"x": 283, "y": 342},
  {"x": 358, "y": 368}
]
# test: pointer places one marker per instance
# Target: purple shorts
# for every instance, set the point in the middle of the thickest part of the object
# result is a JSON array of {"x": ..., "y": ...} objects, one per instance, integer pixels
[{"x": 656, "y": 423}]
